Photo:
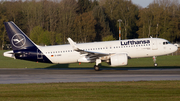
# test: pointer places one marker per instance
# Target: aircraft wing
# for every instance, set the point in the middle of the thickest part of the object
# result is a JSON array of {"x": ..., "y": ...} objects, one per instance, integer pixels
[
  {"x": 92, "y": 54},
  {"x": 89, "y": 54}
]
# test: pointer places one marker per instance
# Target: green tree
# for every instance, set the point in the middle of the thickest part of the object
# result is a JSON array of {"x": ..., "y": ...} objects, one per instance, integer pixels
[
  {"x": 102, "y": 26},
  {"x": 44, "y": 37},
  {"x": 3, "y": 18},
  {"x": 85, "y": 27},
  {"x": 36, "y": 34},
  {"x": 127, "y": 12},
  {"x": 55, "y": 38},
  {"x": 144, "y": 23},
  {"x": 66, "y": 18},
  {"x": 83, "y": 6},
  {"x": 160, "y": 19},
  {"x": 108, "y": 38}
]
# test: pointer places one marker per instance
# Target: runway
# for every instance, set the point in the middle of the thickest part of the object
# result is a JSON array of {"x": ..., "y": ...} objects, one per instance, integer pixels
[{"x": 20, "y": 76}]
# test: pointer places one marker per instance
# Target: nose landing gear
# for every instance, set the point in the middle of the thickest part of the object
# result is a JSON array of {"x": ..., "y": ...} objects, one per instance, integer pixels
[{"x": 154, "y": 59}]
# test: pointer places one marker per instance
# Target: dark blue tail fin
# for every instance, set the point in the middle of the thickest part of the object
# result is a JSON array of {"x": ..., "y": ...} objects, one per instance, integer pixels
[
  {"x": 18, "y": 39},
  {"x": 23, "y": 47}
]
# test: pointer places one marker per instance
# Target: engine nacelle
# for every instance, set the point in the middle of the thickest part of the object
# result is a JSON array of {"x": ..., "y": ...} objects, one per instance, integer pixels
[{"x": 119, "y": 60}]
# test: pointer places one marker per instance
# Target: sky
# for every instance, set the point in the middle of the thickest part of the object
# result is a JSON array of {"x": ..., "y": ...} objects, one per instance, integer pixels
[{"x": 143, "y": 3}]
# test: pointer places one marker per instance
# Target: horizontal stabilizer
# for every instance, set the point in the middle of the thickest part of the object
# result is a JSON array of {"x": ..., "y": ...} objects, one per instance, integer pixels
[{"x": 9, "y": 54}]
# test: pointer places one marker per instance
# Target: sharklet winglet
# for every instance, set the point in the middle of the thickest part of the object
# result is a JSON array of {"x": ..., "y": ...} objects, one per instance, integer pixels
[{"x": 72, "y": 43}]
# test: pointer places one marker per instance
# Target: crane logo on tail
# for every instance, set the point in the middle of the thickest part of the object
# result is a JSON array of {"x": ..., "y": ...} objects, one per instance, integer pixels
[{"x": 18, "y": 41}]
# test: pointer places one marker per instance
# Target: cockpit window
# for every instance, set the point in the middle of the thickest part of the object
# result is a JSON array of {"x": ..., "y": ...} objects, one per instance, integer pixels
[{"x": 165, "y": 43}]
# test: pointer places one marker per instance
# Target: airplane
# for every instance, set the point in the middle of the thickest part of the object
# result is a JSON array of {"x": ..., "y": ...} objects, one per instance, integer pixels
[{"x": 116, "y": 53}]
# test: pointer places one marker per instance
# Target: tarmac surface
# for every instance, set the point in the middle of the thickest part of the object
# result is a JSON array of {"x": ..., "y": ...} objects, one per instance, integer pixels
[{"x": 21, "y": 76}]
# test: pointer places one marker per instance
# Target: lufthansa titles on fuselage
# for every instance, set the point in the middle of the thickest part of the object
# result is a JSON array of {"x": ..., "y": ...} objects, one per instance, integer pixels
[{"x": 135, "y": 42}]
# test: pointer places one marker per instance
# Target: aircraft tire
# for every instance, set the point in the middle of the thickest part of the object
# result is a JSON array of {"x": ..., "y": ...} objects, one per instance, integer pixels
[
  {"x": 96, "y": 68},
  {"x": 155, "y": 65}
]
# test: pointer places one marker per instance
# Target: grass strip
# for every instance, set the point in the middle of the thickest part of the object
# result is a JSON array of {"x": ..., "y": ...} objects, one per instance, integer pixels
[{"x": 93, "y": 91}]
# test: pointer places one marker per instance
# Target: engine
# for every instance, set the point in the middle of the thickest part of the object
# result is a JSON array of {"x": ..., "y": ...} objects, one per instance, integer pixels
[{"x": 119, "y": 60}]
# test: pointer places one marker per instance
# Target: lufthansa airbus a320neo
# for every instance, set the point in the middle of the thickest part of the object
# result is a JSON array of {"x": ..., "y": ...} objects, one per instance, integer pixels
[{"x": 116, "y": 53}]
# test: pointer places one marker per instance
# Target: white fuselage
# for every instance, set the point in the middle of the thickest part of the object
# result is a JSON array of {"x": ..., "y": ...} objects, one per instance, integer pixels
[{"x": 134, "y": 48}]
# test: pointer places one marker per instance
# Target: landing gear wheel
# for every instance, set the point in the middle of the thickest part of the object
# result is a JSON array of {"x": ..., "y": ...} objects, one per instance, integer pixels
[
  {"x": 154, "y": 59},
  {"x": 96, "y": 68},
  {"x": 155, "y": 65}
]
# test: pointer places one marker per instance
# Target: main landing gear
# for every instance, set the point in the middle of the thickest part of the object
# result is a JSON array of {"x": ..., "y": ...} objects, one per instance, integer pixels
[
  {"x": 96, "y": 67},
  {"x": 154, "y": 59}
]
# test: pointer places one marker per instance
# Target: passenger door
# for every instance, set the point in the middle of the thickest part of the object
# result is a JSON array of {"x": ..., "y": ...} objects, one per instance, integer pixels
[{"x": 154, "y": 45}]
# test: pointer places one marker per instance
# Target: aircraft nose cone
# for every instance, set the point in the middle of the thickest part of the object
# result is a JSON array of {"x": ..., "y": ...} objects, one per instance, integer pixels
[{"x": 175, "y": 48}]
